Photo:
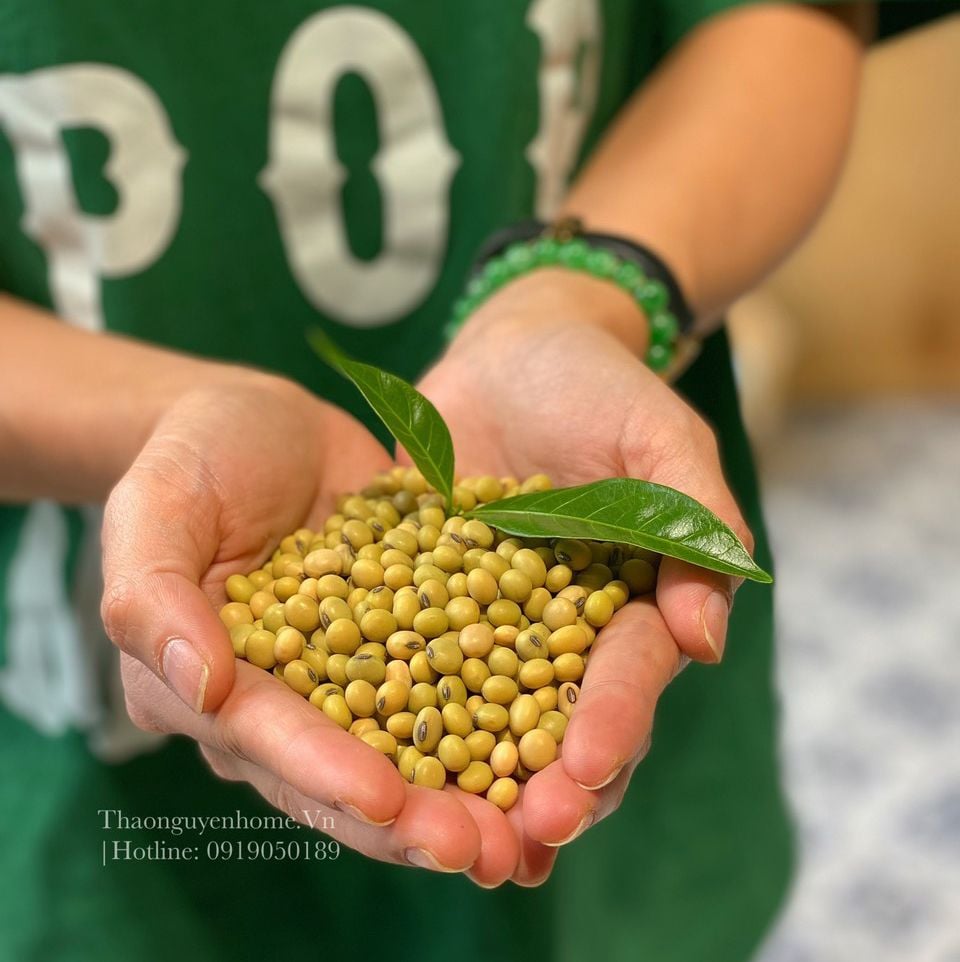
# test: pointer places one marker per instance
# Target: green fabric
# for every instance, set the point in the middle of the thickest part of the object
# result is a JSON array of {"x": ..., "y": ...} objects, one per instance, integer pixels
[{"x": 696, "y": 862}]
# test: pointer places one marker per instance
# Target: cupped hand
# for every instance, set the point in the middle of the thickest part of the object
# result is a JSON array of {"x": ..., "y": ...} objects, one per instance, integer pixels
[
  {"x": 225, "y": 475},
  {"x": 539, "y": 382}
]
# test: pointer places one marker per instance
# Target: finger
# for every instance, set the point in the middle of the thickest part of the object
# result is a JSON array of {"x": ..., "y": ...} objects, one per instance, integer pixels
[
  {"x": 696, "y": 606},
  {"x": 633, "y": 659},
  {"x": 536, "y": 860},
  {"x": 695, "y": 602},
  {"x": 499, "y": 846},
  {"x": 158, "y": 538},
  {"x": 557, "y": 810},
  {"x": 267, "y": 724},
  {"x": 433, "y": 830}
]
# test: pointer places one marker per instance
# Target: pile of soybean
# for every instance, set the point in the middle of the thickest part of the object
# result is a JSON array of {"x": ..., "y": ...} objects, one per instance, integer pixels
[{"x": 453, "y": 649}]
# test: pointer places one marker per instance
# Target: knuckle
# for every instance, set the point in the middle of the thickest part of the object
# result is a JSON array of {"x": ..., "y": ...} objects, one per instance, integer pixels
[{"x": 118, "y": 597}]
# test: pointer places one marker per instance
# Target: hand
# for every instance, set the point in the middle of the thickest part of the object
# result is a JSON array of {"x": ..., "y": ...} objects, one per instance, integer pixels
[
  {"x": 226, "y": 473},
  {"x": 539, "y": 380}
]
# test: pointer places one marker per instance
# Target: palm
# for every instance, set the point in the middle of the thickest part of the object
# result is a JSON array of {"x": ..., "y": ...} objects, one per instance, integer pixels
[
  {"x": 253, "y": 474},
  {"x": 223, "y": 478},
  {"x": 547, "y": 411},
  {"x": 574, "y": 404}
]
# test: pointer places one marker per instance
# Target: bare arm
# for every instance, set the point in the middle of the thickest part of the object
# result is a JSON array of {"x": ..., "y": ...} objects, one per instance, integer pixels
[
  {"x": 76, "y": 407},
  {"x": 726, "y": 156},
  {"x": 720, "y": 163}
]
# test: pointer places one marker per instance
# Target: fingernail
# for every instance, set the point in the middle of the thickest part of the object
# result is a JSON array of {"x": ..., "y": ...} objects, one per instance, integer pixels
[
  {"x": 585, "y": 823},
  {"x": 185, "y": 672},
  {"x": 423, "y": 859},
  {"x": 533, "y": 883},
  {"x": 604, "y": 783},
  {"x": 484, "y": 885},
  {"x": 714, "y": 617},
  {"x": 354, "y": 812}
]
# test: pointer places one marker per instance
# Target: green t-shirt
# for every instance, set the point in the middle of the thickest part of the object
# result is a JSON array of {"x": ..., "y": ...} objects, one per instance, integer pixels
[{"x": 219, "y": 177}]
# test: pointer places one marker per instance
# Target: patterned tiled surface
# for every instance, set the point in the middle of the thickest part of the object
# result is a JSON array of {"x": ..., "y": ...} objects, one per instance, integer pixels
[{"x": 864, "y": 510}]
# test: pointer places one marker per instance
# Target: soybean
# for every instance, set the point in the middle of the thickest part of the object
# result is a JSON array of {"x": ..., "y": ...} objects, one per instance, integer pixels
[{"x": 404, "y": 625}]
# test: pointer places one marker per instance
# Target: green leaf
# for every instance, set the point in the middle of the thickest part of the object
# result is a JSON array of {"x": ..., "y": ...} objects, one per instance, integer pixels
[
  {"x": 408, "y": 415},
  {"x": 632, "y": 512}
]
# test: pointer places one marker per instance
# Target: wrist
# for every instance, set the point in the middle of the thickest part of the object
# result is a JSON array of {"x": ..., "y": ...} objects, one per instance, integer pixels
[
  {"x": 672, "y": 240},
  {"x": 176, "y": 380},
  {"x": 548, "y": 298}
]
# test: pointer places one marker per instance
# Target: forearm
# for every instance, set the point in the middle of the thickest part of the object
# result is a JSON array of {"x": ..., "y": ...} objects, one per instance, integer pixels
[
  {"x": 76, "y": 407},
  {"x": 727, "y": 155}
]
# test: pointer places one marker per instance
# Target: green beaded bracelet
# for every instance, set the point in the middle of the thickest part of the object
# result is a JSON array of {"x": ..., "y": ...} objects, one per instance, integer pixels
[{"x": 576, "y": 254}]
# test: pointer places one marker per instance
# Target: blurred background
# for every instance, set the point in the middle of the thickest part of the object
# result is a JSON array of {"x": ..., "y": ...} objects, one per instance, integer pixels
[{"x": 849, "y": 363}]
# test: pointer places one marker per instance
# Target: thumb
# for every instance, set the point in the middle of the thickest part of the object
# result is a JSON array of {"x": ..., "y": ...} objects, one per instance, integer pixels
[
  {"x": 695, "y": 602},
  {"x": 159, "y": 536}
]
